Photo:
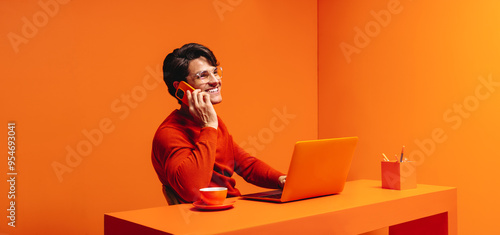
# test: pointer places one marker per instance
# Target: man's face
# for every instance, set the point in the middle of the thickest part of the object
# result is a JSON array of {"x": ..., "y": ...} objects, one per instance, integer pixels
[{"x": 210, "y": 84}]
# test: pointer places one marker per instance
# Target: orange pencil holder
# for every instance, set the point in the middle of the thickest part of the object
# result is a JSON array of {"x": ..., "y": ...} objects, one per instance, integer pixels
[{"x": 398, "y": 175}]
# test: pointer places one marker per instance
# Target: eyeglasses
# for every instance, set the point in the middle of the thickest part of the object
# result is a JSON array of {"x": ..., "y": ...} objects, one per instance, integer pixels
[{"x": 204, "y": 76}]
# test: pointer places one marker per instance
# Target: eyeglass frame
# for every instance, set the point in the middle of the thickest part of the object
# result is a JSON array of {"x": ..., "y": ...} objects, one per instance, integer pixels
[{"x": 213, "y": 73}]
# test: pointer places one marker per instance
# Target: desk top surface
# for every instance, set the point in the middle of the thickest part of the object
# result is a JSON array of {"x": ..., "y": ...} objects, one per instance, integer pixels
[{"x": 357, "y": 194}]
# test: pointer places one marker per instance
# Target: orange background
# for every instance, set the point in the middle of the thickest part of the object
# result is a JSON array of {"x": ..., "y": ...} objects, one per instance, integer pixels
[
  {"x": 403, "y": 87},
  {"x": 87, "y": 77},
  {"x": 89, "y": 65}
]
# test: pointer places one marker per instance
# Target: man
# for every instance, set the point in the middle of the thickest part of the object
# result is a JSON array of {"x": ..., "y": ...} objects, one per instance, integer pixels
[{"x": 192, "y": 148}]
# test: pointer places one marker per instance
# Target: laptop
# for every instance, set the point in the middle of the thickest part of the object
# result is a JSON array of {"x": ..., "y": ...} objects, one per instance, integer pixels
[{"x": 317, "y": 168}]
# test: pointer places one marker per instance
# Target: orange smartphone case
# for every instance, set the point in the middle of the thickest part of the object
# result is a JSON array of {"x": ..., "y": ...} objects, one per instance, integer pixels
[{"x": 181, "y": 92}]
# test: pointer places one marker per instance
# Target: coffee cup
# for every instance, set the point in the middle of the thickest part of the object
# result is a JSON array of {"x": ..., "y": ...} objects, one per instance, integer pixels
[{"x": 213, "y": 195}]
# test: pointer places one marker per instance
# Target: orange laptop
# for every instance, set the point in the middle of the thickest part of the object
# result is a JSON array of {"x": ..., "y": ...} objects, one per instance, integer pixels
[{"x": 318, "y": 168}]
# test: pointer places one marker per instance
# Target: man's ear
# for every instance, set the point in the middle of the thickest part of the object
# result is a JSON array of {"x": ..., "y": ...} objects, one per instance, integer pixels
[{"x": 176, "y": 84}]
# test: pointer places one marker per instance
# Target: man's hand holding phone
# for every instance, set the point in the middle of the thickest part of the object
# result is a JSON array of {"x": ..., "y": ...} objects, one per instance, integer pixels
[{"x": 199, "y": 104}]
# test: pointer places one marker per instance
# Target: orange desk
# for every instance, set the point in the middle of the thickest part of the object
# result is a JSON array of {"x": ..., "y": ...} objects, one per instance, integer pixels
[{"x": 363, "y": 206}]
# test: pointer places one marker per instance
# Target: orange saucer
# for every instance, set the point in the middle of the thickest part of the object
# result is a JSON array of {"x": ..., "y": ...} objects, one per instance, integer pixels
[{"x": 228, "y": 203}]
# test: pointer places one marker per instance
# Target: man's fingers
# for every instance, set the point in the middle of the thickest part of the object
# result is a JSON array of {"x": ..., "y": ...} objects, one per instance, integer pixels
[
  {"x": 206, "y": 97},
  {"x": 189, "y": 96},
  {"x": 201, "y": 98},
  {"x": 196, "y": 99}
]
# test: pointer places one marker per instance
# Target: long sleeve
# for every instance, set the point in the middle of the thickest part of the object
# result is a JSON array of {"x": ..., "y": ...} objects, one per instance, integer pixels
[
  {"x": 187, "y": 158},
  {"x": 184, "y": 158},
  {"x": 188, "y": 167},
  {"x": 255, "y": 171}
]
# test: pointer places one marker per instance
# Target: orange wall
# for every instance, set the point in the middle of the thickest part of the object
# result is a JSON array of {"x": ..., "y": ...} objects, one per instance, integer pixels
[
  {"x": 82, "y": 82},
  {"x": 85, "y": 76},
  {"x": 423, "y": 74}
]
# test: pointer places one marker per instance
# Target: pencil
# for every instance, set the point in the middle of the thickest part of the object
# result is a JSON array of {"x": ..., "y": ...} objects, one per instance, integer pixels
[
  {"x": 385, "y": 157},
  {"x": 402, "y": 153}
]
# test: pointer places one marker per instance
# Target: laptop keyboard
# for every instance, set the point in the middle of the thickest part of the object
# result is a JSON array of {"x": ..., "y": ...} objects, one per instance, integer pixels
[{"x": 277, "y": 196}]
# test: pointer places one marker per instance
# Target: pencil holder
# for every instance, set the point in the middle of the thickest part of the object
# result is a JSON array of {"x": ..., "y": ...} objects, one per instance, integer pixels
[{"x": 399, "y": 175}]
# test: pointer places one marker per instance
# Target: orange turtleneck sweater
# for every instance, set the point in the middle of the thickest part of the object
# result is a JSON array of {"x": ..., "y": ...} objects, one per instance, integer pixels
[{"x": 187, "y": 157}]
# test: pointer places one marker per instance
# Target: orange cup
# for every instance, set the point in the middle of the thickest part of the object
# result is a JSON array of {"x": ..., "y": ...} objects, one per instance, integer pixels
[{"x": 213, "y": 195}]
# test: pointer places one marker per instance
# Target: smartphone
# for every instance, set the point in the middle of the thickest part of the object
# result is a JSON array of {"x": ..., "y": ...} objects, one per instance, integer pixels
[{"x": 181, "y": 92}]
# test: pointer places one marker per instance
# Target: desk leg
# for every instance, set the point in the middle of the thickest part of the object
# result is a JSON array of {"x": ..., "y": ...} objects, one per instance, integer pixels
[{"x": 432, "y": 225}]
